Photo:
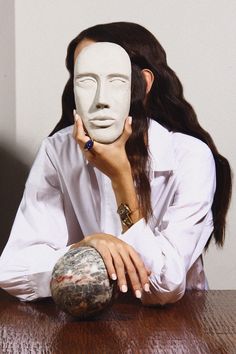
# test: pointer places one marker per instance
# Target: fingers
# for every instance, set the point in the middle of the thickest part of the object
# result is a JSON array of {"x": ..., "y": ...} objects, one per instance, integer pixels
[
  {"x": 125, "y": 261},
  {"x": 78, "y": 131},
  {"x": 127, "y": 130},
  {"x": 121, "y": 260},
  {"x": 142, "y": 272},
  {"x": 120, "y": 269},
  {"x": 80, "y": 135},
  {"x": 137, "y": 272},
  {"x": 133, "y": 276},
  {"x": 114, "y": 264},
  {"x": 107, "y": 258}
]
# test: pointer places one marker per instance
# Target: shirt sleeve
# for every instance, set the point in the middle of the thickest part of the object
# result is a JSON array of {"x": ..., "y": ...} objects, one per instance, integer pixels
[
  {"x": 171, "y": 247},
  {"x": 39, "y": 234}
]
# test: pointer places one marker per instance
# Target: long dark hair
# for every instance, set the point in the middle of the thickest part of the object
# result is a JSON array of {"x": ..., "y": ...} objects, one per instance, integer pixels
[{"x": 165, "y": 104}]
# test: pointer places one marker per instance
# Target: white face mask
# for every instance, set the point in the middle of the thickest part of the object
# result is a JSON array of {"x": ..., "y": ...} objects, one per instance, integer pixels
[{"x": 102, "y": 89}]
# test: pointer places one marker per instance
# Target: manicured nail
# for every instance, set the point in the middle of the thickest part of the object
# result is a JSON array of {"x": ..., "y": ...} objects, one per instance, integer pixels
[
  {"x": 138, "y": 294},
  {"x": 146, "y": 287},
  {"x": 124, "y": 289},
  {"x": 130, "y": 120},
  {"x": 76, "y": 116},
  {"x": 113, "y": 276}
]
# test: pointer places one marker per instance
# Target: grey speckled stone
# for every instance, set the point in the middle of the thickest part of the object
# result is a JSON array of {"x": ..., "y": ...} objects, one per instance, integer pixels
[{"x": 80, "y": 283}]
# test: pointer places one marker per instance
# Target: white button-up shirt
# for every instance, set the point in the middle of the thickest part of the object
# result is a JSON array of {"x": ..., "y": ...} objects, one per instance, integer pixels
[{"x": 66, "y": 199}]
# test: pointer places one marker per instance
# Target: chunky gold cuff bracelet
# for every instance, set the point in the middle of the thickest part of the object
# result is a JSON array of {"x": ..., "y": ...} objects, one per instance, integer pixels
[{"x": 124, "y": 213}]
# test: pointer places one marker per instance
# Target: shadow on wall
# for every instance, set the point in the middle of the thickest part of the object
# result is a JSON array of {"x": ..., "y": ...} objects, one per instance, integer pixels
[{"x": 13, "y": 174}]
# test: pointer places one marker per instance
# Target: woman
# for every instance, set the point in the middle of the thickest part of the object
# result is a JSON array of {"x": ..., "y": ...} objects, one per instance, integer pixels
[{"x": 164, "y": 172}]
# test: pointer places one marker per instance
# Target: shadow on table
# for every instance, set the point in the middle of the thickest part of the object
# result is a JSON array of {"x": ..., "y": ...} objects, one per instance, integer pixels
[{"x": 12, "y": 179}]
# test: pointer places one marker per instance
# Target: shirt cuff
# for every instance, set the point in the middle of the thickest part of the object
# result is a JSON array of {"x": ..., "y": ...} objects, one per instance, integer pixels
[{"x": 27, "y": 275}]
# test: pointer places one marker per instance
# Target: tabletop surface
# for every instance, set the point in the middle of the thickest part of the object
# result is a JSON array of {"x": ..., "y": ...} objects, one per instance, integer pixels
[{"x": 201, "y": 322}]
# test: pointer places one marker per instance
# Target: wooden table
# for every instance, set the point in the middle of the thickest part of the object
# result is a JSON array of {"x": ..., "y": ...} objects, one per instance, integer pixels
[{"x": 201, "y": 322}]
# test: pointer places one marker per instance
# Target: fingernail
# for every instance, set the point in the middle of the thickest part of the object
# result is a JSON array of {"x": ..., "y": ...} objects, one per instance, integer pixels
[
  {"x": 146, "y": 287},
  {"x": 113, "y": 276},
  {"x": 124, "y": 288},
  {"x": 138, "y": 294},
  {"x": 76, "y": 117},
  {"x": 130, "y": 120}
]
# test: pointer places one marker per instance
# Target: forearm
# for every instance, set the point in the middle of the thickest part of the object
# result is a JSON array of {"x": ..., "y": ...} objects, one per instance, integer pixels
[{"x": 124, "y": 190}]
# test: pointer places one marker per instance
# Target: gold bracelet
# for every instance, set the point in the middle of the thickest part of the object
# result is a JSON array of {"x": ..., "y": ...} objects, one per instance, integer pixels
[{"x": 124, "y": 213}]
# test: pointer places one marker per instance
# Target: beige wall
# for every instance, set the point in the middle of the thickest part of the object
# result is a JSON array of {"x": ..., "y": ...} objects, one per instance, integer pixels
[
  {"x": 199, "y": 37},
  {"x": 7, "y": 74}
]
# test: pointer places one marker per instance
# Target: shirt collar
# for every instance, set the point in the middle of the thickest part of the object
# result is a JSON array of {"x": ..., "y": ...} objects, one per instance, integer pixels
[{"x": 161, "y": 147}]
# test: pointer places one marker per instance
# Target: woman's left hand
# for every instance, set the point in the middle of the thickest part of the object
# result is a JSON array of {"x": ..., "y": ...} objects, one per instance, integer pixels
[{"x": 111, "y": 159}]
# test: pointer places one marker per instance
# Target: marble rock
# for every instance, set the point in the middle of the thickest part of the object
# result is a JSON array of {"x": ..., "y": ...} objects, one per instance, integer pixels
[{"x": 80, "y": 283}]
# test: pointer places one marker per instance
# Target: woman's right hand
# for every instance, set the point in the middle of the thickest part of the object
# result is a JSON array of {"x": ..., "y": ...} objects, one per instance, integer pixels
[{"x": 120, "y": 259}]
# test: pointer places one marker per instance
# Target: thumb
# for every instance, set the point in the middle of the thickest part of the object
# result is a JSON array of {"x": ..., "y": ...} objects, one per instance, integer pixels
[{"x": 127, "y": 129}]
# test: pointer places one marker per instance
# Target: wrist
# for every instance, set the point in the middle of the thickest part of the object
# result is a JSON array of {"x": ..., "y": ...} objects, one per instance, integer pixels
[
  {"x": 128, "y": 215},
  {"x": 122, "y": 178}
]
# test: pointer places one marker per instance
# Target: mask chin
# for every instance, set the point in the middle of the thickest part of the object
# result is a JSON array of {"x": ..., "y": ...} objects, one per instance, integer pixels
[{"x": 105, "y": 138}]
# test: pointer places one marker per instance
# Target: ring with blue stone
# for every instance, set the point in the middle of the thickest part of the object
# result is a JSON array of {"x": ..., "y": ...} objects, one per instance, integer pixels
[{"x": 89, "y": 145}]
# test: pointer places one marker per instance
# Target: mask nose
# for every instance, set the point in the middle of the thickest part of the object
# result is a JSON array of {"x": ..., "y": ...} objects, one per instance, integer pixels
[
  {"x": 102, "y": 105},
  {"x": 102, "y": 97}
]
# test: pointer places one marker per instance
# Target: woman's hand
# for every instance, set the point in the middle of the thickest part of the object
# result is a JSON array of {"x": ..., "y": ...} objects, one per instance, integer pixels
[
  {"x": 119, "y": 258},
  {"x": 111, "y": 159}
]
